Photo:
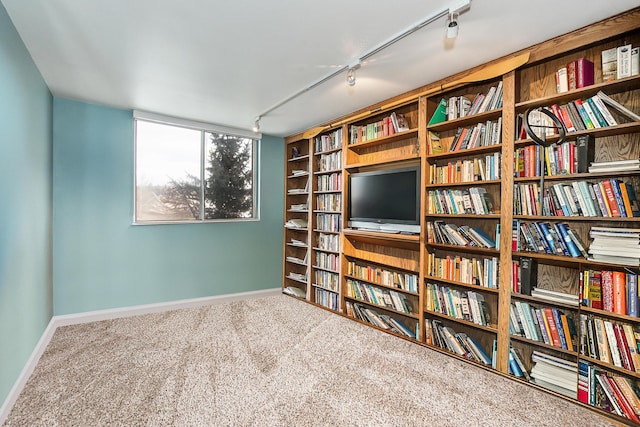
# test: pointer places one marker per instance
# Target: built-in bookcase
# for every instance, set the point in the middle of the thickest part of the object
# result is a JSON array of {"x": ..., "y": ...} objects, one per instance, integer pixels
[{"x": 492, "y": 278}]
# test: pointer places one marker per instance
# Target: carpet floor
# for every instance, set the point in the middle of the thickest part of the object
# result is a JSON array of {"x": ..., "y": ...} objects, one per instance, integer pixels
[{"x": 272, "y": 361}]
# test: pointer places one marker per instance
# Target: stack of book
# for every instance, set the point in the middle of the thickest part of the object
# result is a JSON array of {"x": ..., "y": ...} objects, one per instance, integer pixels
[
  {"x": 293, "y": 291},
  {"x": 611, "y": 392},
  {"x": 477, "y": 169},
  {"x": 368, "y": 315},
  {"x": 610, "y": 342},
  {"x": 479, "y": 135},
  {"x": 555, "y": 296},
  {"x": 615, "y": 166},
  {"x": 516, "y": 366},
  {"x": 548, "y": 325},
  {"x": 457, "y": 342},
  {"x": 612, "y": 291},
  {"x": 615, "y": 245},
  {"x": 328, "y": 142},
  {"x": 555, "y": 374},
  {"x": 576, "y": 74},
  {"x": 392, "y": 279},
  {"x": 387, "y": 126},
  {"x": 451, "y": 234}
]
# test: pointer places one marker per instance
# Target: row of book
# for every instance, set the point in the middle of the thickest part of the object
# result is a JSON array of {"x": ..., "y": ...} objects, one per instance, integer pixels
[
  {"x": 611, "y": 342},
  {"x": 328, "y": 261},
  {"x": 615, "y": 245},
  {"x": 466, "y": 305},
  {"x": 479, "y": 135},
  {"x": 330, "y": 162},
  {"x": 329, "y": 202},
  {"x": 546, "y": 238},
  {"x": 611, "y": 198},
  {"x": 383, "y": 276},
  {"x": 459, "y": 343},
  {"x": 387, "y": 126},
  {"x": 298, "y": 277},
  {"x": 299, "y": 207},
  {"x": 384, "y": 321},
  {"x": 612, "y": 291},
  {"x": 482, "y": 272},
  {"x": 331, "y": 182},
  {"x": 620, "y": 62},
  {"x": 461, "y": 106},
  {"x": 575, "y": 75},
  {"x": 560, "y": 159},
  {"x": 327, "y": 299},
  {"x": 546, "y": 324},
  {"x": 611, "y": 392},
  {"x": 328, "y": 242},
  {"x": 478, "y": 169},
  {"x": 473, "y": 200},
  {"x": 327, "y": 142},
  {"x": 381, "y": 297},
  {"x": 554, "y": 373},
  {"x": 463, "y": 235},
  {"x": 328, "y": 222},
  {"x": 327, "y": 280}
]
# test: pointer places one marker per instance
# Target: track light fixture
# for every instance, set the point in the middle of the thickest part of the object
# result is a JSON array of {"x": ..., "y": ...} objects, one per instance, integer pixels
[
  {"x": 452, "y": 26},
  {"x": 256, "y": 125},
  {"x": 351, "y": 73}
]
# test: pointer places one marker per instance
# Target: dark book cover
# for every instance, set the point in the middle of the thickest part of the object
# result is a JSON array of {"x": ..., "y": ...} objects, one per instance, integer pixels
[
  {"x": 586, "y": 151},
  {"x": 528, "y": 275}
]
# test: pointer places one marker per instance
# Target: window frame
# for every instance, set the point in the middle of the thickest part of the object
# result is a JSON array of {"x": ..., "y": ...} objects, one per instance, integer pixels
[{"x": 203, "y": 128}]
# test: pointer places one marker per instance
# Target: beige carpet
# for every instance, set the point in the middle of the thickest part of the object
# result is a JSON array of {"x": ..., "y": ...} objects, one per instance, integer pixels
[{"x": 267, "y": 362}]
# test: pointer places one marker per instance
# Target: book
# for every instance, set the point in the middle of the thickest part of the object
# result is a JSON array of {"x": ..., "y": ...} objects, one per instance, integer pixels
[
  {"x": 440, "y": 114},
  {"x": 584, "y": 73},
  {"x": 609, "y": 64},
  {"x": 624, "y": 61},
  {"x": 635, "y": 61},
  {"x": 618, "y": 107}
]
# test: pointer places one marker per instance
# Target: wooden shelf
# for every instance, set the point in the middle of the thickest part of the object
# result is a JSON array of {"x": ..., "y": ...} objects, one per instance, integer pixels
[
  {"x": 466, "y": 249},
  {"x": 469, "y": 152},
  {"x": 461, "y": 284},
  {"x": 383, "y": 238},
  {"x": 465, "y": 184},
  {"x": 326, "y": 250},
  {"x": 333, "y": 150},
  {"x": 598, "y": 133},
  {"x": 380, "y": 307},
  {"x": 576, "y": 176},
  {"x": 487, "y": 328},
  {"x": 327, "y": 172},
  {"x": 576, "y": 218},
  {"x": 383, "y": 163},
  {"x": 468, "y": 216},
  {"x": 611, "y": 367},
  {"x": 392, "y": 288},
  {"x": 610, "y": 315},
  {"x": 299, "y": 158},
  {"x": 544, "y": 345}
]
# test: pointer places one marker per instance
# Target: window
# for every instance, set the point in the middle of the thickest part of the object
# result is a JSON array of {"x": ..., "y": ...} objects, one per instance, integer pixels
[{"x": 171, "y": 161}]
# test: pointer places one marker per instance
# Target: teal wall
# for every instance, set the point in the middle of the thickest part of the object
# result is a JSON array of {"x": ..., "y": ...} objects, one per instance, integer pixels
[
  {"x": 25, "y": 205},
  {"x": 101, "y": 261}
]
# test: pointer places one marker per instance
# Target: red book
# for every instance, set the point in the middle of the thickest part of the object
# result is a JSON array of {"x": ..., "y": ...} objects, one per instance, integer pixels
[
  {"x": 607, "y": 290},
  {"x": 553, "y": 329},
  {"x": 595, "y": 290},
  {"x": 572, "y": 158},
  {"x": 514, "y": 275},
  {"x": 611, "y": 198},
  {"x": 623, "y": 347},
  {"x": 622, "y": 400},
  {"x": 584, "y": 73},
  {"x": 567, "y": 119},
  {"x": 619, "y": 292}
]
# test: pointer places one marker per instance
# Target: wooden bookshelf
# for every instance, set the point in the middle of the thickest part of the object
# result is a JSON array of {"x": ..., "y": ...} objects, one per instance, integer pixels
[{"x": 368, "y": 146}]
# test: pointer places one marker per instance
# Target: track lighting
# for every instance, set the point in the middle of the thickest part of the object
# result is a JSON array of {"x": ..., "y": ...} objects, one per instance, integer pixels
[
  {"x": 351, "y": 73},
  {"x": 452, "y": 26},
  {"x": 256, "y": 125}
]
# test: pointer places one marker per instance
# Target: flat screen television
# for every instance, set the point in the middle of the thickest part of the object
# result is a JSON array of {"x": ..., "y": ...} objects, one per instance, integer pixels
[{"x": 385, "y": 200}]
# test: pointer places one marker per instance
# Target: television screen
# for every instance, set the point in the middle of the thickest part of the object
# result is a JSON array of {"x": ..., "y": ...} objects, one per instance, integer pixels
[{"x": 385, "y": 196}]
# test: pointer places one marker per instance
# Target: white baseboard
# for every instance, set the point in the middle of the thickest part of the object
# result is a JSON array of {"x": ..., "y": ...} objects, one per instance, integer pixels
[{"x": 95, "y": 316}]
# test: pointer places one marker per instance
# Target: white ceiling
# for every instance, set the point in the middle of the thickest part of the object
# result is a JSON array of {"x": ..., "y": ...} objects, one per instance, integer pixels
[{"x": 225, "y": 62}]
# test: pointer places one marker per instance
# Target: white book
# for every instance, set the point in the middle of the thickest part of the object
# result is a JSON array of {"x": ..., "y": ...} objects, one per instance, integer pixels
[
  {"x": 635, "y": 61},
  {"x": 562, "y": 80},
  {"x": 624, "y": 61}
]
